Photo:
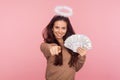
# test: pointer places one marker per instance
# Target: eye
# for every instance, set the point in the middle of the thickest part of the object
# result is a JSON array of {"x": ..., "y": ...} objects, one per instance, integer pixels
[
  {"x": 63, "y": 27},
  {"x": 56, "y": 27}
]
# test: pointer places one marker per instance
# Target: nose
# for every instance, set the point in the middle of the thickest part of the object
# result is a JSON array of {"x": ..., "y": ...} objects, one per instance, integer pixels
[{"x": 60, "y": 31}]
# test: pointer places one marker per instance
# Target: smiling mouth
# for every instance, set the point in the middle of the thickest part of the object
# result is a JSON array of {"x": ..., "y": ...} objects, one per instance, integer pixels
[{"x": 58, "y": 35}]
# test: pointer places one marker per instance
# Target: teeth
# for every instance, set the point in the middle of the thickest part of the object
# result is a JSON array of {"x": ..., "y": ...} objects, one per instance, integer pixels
[{"x": 59, "y": 34}]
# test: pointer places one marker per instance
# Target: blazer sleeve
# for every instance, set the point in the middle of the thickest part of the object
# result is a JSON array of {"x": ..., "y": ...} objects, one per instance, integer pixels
[
  {"x": 45, "y": 48},
  {"x": 80, "y": 62}
]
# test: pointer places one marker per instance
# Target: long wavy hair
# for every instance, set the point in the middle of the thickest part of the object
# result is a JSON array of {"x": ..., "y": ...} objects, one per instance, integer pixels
[{"x": 50, "y": 38}]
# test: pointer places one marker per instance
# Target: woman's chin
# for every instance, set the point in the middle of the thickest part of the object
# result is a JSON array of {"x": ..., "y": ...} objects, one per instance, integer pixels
[{"x": 58, "y": 37}]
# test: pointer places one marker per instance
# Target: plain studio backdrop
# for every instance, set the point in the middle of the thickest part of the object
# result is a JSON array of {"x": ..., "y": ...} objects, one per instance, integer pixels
[{"x": 21, "y": 25}]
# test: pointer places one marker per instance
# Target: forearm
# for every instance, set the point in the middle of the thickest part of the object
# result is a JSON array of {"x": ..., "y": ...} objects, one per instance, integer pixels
[
  {"x": 45, "y": 48},
  {"x": 80, "y": 62}
]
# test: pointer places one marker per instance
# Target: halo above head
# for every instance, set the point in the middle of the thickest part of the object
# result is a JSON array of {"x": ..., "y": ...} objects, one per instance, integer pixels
[{"x": 66, "y": 14}]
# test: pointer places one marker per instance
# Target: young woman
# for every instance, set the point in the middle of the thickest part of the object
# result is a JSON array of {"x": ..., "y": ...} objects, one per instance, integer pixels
[{"x": 62, "y": 63}]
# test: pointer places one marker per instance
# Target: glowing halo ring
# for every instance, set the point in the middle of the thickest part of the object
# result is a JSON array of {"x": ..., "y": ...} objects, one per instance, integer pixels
[{"x": 66, "y": 14}]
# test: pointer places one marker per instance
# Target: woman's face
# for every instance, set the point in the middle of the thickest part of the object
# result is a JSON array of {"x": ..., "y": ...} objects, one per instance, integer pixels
[{"x": 59, "y": 29}]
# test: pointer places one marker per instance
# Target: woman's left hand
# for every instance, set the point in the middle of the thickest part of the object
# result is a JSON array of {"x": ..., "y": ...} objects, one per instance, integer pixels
[{"x": 81, "y": 51}]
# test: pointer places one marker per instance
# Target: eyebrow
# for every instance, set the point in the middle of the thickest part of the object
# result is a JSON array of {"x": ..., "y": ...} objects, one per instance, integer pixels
[{"x": 59, "y": 26}]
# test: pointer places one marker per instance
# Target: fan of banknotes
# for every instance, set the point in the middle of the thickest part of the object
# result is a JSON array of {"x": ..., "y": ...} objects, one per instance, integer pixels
[{"x": 78, "y": 40}]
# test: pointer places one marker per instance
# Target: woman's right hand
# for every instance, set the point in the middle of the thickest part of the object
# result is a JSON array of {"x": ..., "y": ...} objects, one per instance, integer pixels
[{"x": 55, "y": 50}]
